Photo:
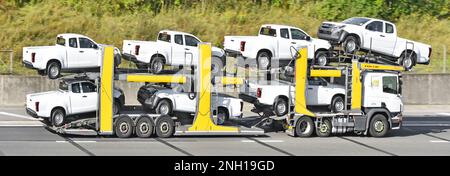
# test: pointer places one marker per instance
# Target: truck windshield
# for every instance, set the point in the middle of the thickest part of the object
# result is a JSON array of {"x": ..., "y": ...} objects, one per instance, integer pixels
[
  {"x": 356, "y": 21},
  {"x": 390, "y": 84},
  {"x": 63, "y": 86},
  {"x": 268, "y": 31},
  {"x": 61, "y": 41}
]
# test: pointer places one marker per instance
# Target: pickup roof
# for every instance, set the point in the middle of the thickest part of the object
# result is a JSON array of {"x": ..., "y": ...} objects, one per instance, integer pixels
[
  {"x": 171, "y": 48},
  {"x": 275, "y": 42},
  {"x": 168, "y": 101},
  {"x": 71, "y": 52},
  {"x": 73, "y": 97},
  {"x": 274, "y": 95},
  {"x": 379, "y": 37}
]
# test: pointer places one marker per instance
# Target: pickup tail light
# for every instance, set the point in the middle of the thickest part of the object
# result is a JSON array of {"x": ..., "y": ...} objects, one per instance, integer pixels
[
  {"x": 36, "y": 104},
  {"x": 136, "y": 49},
  {"x": 429, "y": 54},
  {"x": 242, "y": 106},
  {"x": 33, "y": 57},
  {"x": 242, "y": 46},
  {"x": 258, "y": 92}
]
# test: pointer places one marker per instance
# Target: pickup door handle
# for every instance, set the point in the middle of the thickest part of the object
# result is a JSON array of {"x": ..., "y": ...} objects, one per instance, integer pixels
[
  {"x": 382, "y": 36},
  {"x": 293, "y": 42},
  {"x": 81, "y": 51},
  {"x": 187, "y": 49},
  {"x": 84, "y": 96}
]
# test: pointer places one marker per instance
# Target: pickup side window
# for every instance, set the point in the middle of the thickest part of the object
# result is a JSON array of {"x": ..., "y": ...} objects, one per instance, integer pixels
[
  {"x": 284, "y": 33},
  {"x": 179, "y": 39},
  {"x": 61, "y": 41},
  {"x": 73, "y": 42},
  {"x": 389, "y": 28},
  {"x": 76, "y": 88},
  {"x": 390, "y": 84},
  {"x": 191, "y": 41},
  {"x": 298, "y": 35},
  {"x": 88, "y": 87},
  {"x": 164, "y": 37},
  {"x": 375, "y": 26},
  {"x": 268, "y": 31},
  {"x": 86, "y": 43}
]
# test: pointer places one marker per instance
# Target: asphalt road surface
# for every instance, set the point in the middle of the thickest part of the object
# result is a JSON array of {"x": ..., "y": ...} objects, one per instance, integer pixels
[{"x": 425, "y": 132}]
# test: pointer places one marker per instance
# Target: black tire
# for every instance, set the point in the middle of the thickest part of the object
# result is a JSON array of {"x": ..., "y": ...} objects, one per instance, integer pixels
[
  {"x": 165, "y": 127},
  {"x": 164, "y": 107},
  {"x": 408, "y": 61},
  {"x": 324, "y": 128},
  {"x": 337, "y": 104},
  {"x": 157, "y": 65},
  {"x": 123, "y": 127},
  {"x": 41, "y": 72},
  {"x": 58, "y": 117},
  {"x": 222, "y": 116},
  {"x": 117, "y": 59},
  {"x": 53, "y": 70},
  {"x": 281, "y": 107},
  {"x": 321, "y": 58},
  {"x": 304, "y": 127},
  {"x": 351, "y": 44},
  {"x": 263, "y": 60},
  {"x": 379, "y": 126},
  {"x": 116, "y": 107},
  {"x": 144, "y": 127},
  {"x": 216, "y": 66}
]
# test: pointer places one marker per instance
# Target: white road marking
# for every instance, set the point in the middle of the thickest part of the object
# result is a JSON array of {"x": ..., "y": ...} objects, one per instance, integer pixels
[
  {"x": 425, "y": 125},
  {"x": 265, "y": 141},
  {"x": 77, "y": 141},
  {"x": 439, "y": 141},
  {"x": 21, "y": 124},
  {"x": 443, "y": 114},
  {"x": 17, "y": 115}
]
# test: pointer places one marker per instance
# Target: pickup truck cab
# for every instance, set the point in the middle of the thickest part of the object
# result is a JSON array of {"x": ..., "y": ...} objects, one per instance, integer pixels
[
  {"x": 377, "y": 36},
  {"x": 275, "y": 42},
  {"x": 171, "y": 48},
  {"x": 274, "y": 95},
  {"x": 167, "y": 101},
  {"x": 74, "y": 97},
  {"x": 72, "y": 52}
]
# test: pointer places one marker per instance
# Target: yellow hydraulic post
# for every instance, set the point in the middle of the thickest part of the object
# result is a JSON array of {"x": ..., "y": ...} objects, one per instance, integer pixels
[
  {"x": 106, "y": 91},
  {"x": 203, "y": 118},
  {"x": 356, "y": 86},
  {"x": 301, "y": 67}
]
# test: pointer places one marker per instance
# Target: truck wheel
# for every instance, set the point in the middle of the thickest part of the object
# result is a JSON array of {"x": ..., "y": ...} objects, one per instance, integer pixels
[
  {"x": 157, "y": 65},
  {"x": 164, "y": 107},
  {"x": 144, "y": 127},
  {"x": 337, "y": 104},
  {"x": 321, "y": 58},
  {"x": 58, "y": 117},
  {"x": 123, "y": 127},
  {"x": 216, "y": 66},
  {"x": 165, "y": 127},
  {"x": 222, "y": 116},
  {"x": 408, "y": 60},
  {"x": 379, "y": 126},
  {"x": 281, "y": 107},
  {"x": 53, "y": 70},
  {"x": 351, "y": 44},
  {"x": 324, "y": 128},
  {"x": 304, "y": 127},
  {"x": 263, "y": 60}
]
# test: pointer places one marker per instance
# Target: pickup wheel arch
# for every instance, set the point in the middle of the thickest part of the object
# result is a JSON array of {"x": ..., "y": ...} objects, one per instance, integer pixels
[
  {"x": 333, "y": 101},
  {"x": 357, "y": 42},
  {"x": 159, "y": 58},
  {"x": 53, "y": 71},
  {"x": 321, "y": 57},
  {"x": 170, "y": 105},
  {"x": 58, "y": 122},
  {"x": 262, "y": 51},
  {"x": 227, "y": 114},
  {"x": 280, "y": 101},
  {"x": 409, "y": 61}
]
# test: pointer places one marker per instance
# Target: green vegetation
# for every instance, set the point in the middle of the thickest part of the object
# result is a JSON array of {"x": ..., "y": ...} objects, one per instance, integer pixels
[{"x": 37, "y": 22}]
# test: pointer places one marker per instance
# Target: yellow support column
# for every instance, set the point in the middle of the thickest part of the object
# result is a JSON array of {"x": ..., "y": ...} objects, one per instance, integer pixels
[
  {"x": 356, "y": 86},
  {"x": 106, "y": 91},
  {"x": 203, "y": 118},
  {"x": 301, "y": 66}
]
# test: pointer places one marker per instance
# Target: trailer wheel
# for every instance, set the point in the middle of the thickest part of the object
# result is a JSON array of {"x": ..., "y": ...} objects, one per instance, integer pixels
[
  {"x": 58, "y": 117},
  {"x": 157, "y": 65},
  {"x": 165, "y": 127},
  {"x": 144, "y": 127},
  {"x": 304, "y": 127},
  {"x": 379, "y": 126},
  {"x": 281, "y": 107},
  {"x": 123, "y": 127},
  {"x": 324, "y": 128},
  {"x": 53, "y": 70}
]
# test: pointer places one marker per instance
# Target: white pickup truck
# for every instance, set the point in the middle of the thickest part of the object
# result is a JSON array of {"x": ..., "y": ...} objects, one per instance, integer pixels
[
  {"x": 274, "y": 95},
  {"x": 167, "y": 101},
  {"x": 74, "y": 97},
  {"x": 379, "y": 37},
  {"x": 171, "y": 48},
  {"x": 72, "y": 52},
  {"x": 275, "y": 42}
]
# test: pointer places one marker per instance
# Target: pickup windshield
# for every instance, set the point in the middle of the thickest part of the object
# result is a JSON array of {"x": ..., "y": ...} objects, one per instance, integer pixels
[
  {"x": 61, "y": 41},
  {"x": 356, "y": 21},
  {"x": 268, "y": 31}
]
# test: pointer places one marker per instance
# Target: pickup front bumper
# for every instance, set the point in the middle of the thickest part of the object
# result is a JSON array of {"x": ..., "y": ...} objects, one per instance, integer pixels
[{"x": 334, "y": 36}]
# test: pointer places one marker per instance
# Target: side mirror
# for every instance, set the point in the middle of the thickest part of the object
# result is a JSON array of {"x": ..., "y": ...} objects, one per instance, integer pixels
[
  {"x": 308, "y": 38},
  {"x": 95, "y": 46}
]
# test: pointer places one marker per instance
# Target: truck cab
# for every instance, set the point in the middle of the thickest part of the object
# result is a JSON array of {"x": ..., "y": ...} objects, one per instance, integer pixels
[{"x": 382, "y": 90}]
